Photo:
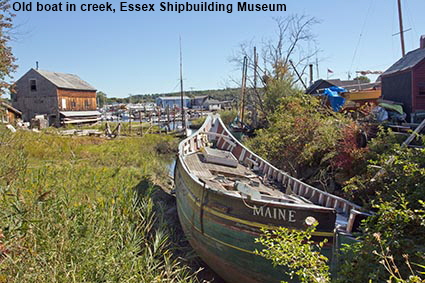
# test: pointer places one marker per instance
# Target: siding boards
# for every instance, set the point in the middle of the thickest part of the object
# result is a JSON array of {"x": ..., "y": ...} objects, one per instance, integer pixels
[
  {"x": 398, "y": 88},
  {"x": 418, "y": 78},
  {"x": 49, "y": 98},
  {"x": 76, "y": 100}
]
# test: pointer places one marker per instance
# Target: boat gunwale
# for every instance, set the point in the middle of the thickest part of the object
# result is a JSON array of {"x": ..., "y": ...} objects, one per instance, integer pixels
[{"x": 216, "y": 118}]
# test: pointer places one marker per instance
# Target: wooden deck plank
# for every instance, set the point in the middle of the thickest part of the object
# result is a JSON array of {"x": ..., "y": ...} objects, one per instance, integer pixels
[{"x": 208, "y": 172}]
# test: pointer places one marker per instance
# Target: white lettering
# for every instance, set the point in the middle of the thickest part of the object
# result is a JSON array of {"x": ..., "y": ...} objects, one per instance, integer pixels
[
  {"x": 268, "y": 213},
  {"x": 258, "y": 211},
  {"x": 292, "y": 216},
  {"x": 274, "y": 213},
  {"x": 282, "y": 214}
]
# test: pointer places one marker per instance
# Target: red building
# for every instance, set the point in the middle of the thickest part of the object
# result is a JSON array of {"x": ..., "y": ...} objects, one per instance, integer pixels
[{"x": 404, "y": 82}]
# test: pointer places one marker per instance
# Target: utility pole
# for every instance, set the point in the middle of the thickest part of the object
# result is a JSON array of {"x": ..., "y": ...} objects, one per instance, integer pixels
[
  {"x": 243, "y": 88},
  {"x": 255, "y": 110},
  {"x": 400, "y": 19}
]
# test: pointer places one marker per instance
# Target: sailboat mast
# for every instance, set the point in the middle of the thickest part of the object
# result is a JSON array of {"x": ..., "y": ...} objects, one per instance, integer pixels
[
  {"x": 400, "y": 20},
  {"x": 181, "y": 86}
]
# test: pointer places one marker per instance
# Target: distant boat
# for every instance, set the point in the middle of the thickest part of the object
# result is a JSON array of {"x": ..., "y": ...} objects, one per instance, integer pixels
[{"x": 226, "y": 194}]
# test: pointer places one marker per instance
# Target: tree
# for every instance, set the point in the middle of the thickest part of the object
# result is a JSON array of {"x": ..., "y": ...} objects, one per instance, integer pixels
[
  {"x": 290, "y": 50},
  {"x": 101, "y": 98},
  {"x": 7, "y": 60},
  {"x": 362, "y": 79}
]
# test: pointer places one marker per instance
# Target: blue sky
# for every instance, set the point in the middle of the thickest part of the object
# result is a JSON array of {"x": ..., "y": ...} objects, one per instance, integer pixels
[{"x": 126, "y": 53}]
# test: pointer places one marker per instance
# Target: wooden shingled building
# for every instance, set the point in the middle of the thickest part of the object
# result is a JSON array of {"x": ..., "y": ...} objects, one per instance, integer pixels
[{"x": 63, "y": 98}]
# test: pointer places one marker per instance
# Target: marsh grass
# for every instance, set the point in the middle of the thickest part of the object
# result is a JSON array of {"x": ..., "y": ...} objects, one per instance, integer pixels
[
  {"x": 82, "y": 209},
  {"x": 133, "y": 128}
]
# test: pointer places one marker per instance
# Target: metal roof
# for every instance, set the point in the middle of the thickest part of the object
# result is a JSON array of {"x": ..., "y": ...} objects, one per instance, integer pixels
[
  {"x": 407, "y": 62},
  {"x": 68, "y": 81},
  {"x": 13, "y": 109},
  {"x": 172, "y": 97},
  {"x": 79, "y": 113}
]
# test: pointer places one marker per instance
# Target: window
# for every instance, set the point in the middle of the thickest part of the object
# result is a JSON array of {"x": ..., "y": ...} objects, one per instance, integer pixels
[
  {"x": 73, "y": 104},
  {"x": 421, "y": 87},
  {"x": 86, "y": 104},
  {"x": 33, "y": 85}
]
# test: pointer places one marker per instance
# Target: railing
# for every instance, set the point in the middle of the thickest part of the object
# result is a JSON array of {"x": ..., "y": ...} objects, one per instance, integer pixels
[{"x": 245, "y": 156}]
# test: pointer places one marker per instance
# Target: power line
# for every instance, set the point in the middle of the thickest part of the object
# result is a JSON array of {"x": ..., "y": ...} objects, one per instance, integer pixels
[{"x": 361, "y": 34}]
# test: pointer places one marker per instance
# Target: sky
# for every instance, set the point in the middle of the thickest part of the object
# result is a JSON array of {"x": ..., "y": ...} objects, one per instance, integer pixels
[{"x": 136, "y": 52}]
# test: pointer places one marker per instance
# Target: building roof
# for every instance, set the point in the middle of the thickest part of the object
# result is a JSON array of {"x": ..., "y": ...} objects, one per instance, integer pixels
[
  {"x": 68, "y": 81},
  {"x": 212, "y": 101},
  {"x": 201, "y": 97},
  {"x": 172, "y": 97},
  {"x": 348, "y": 84},
  {"x": 8, "y": 106},
  {"x": 407, "y": 62}
]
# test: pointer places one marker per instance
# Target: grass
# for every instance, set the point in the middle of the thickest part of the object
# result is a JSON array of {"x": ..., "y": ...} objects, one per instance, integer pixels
[
  {"x": 127, "y": 128},
  {"x": 82, "y": 209}
]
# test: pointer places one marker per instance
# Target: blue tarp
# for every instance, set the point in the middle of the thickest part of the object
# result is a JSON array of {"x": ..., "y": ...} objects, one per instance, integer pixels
[{"x": 335, "y": 99}]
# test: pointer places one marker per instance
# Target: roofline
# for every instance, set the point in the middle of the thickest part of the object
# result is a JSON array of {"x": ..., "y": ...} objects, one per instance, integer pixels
[
  {"x": 10, "y": 107},
  {"x": 85, "y": 89},
  {"x": 397, "y": 72},
  {"x": 80, "y": 89}
]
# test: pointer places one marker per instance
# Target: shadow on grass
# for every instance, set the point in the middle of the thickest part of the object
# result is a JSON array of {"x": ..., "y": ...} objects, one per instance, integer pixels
[{"x": 165, "y": 208}]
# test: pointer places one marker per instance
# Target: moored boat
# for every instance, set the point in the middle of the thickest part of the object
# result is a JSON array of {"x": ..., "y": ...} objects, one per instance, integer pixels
[{"x": 226, "y": 194}]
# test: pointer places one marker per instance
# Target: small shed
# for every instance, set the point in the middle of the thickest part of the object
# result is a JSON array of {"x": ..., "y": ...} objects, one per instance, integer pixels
[
  {"x": 212, "y": 104},
  {"x": 404, "y": 82},
  {"x": 9, "y": 114}
]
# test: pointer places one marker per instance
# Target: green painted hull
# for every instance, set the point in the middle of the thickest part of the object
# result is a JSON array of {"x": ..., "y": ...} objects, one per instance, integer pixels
[
  {"x": 222, "y": 225},
  {"x": 224, "y": 234}
]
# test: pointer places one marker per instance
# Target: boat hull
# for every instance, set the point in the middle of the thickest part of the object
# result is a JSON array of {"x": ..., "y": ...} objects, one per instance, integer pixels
[{"x": 222, "y": 229}]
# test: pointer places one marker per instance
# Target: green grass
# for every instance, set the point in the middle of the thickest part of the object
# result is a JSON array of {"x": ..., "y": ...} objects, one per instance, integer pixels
[
  {"x": 82, "y": 209},
  {"x": 136, "y": 128}
]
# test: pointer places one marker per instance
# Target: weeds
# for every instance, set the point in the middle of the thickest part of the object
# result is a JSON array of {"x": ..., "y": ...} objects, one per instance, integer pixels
[{"x": 80, "y": 209}]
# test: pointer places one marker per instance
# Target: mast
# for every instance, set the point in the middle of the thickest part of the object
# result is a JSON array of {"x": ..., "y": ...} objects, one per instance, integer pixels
[
  {"x": 181, "y": 86},
  {"x": 400, "y": 19}
]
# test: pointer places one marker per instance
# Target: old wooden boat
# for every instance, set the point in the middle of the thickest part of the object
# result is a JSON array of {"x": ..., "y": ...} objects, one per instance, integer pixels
[{"x": 226, "y": 194}]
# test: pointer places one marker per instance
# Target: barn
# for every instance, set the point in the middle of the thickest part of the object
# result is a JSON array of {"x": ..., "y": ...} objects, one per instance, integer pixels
[
  {"x": 63, "y": 98},
  {"x": 404, "y": 82}
]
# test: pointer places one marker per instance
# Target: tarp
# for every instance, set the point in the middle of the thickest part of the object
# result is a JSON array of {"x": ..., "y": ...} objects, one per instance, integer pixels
[
  {"x": 392, "y": 107},
  {"x": 335, "y": 99}
]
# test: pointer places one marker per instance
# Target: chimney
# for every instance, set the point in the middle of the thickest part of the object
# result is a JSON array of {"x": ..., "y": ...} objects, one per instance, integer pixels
[{"x": 422, "y": 45}]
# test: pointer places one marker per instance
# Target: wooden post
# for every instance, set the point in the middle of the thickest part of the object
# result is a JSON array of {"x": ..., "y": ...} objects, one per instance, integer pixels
[
  {"x": 181, "y": 87},
  {"x": 129, "y": 121},
  {"x": 174, "y": 118},
  {"x": 243, "y": 88},
  {"x": 255, "y": 114},
  {"x": 168, "y": 118},
  {"x": 141, "y": 123},
  {"x": 150, "y": 121},
  {"x": 158, "y": 114}
]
